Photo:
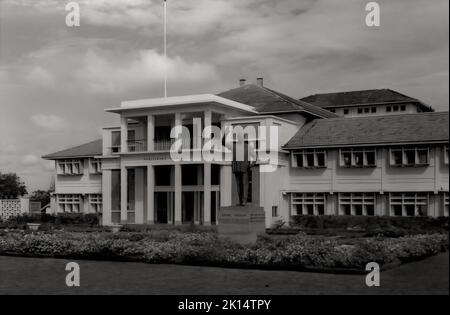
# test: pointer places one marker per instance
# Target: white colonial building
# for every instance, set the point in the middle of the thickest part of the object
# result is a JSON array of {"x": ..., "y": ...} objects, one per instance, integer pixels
[{"x": 394, "y": 163}]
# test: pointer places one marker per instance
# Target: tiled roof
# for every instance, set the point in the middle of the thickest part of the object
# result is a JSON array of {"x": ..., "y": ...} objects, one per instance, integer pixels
[
  {"x": 89, "y": 149},
  {"x": 373, "y": 130},
  {"x": 268, "y": 101},
  {"x": 378, "y": 96}
]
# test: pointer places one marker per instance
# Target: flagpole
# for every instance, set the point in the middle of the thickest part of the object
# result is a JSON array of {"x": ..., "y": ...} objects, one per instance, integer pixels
[{"x": 165, "y": 49}]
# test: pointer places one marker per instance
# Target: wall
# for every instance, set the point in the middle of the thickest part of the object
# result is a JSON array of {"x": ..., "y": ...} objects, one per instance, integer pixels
[
  {"x": 380, "y": 178},
  {"x": 381, "y": 110},
  {"x": 13, "y": 207},
  {"x": 85, "y": 183}
]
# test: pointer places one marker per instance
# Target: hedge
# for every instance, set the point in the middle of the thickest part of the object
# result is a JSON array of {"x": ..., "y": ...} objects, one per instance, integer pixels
[
  {"x": 373, "y": 225},
  {"x": 293, "y": 252},
  {"x": 91, "y": 219}
]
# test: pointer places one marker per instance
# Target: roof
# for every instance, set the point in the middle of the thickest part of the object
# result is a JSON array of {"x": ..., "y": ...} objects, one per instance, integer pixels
[
  {"x": 373, "y": 130},
  {"x": 266, "y": 101},
  {"x": 181, "y": 100},
  {"x": 89, "y": 149},
  {"x": 363, "y": 97}
]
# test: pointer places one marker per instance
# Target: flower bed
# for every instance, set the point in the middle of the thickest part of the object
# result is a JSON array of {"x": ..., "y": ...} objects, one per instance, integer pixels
[{"x": 292, "y": 252}]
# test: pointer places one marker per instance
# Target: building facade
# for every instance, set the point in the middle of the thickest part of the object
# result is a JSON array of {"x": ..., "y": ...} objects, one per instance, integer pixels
[{"x": 394, "y": 165}]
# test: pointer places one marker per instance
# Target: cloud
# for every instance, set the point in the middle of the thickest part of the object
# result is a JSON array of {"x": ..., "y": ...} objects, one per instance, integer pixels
[
  {"x": 299, "y": 47},
  {"x": 31, "y": 159},
  {"x": 49, "y": 122},
  {"x": 116, "y": 74},
  {"x": 41, "y": 76}
]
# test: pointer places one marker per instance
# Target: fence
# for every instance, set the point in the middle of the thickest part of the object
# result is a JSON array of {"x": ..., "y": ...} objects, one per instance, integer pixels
[{"x": 13, "y": 207}]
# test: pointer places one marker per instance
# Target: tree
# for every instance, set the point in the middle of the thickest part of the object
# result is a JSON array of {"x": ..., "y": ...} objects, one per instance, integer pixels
[
  {"x": 11, "y": 186},
  {"x": 43, "y": 196}
]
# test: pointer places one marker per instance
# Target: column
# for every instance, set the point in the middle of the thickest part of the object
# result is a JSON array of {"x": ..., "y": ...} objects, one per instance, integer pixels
[
  {"x": 106, "y": 191},
  {"x": 380, "y": 205},
  {"x": 151, "y": 194},
  {"x": 139, "y": 195},
  {"x": 330, "y": 205},
  {"x": 207, "y": 194},
  {"x": 208, "y": 118},
  {"x": 123, "y": 195},
  {"x": 86, "y": 204},
  {"x": 178, "y": 192},
  {"x": 197, "y": 196},
  {"x": 123, "y": 134},
  {"x": 150, "y": 133},
  {"x": 225, "y": 185}
]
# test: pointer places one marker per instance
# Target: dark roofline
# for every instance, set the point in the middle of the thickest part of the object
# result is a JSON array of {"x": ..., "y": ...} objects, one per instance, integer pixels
[
  {"x": 368, "y": 144},
  {"x": 408, "y": 99},
  {"x": 48, "y": 157},
  {"x": 62, "y": 154},
  {"x": 385, "y": 143},
  {"x": 301, "y": 104}
]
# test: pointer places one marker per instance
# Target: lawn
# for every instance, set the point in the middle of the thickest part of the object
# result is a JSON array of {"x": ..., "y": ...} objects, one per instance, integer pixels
[{"x": 19, "y": 275}]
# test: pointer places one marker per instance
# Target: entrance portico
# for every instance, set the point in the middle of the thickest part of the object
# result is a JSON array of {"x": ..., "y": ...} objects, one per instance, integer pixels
[
  {"x": 168, "y": 194},
  {"x": 145, "y": 185}
]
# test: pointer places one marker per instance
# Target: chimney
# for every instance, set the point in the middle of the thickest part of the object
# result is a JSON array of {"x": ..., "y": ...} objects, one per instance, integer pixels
[
  {"x": 259, "y": 81},
  {"x": 242, "y": 82}
]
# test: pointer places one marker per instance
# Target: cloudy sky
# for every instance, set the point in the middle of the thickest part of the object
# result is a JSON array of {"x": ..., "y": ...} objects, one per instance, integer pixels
[{"x": 55, "y": 81}]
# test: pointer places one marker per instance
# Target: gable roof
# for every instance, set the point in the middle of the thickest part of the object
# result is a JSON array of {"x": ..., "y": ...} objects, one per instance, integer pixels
[
  {"x": 267, "y": 101},
  {"x": 363, "y": 97},
  {"x": 89, "y": 149},
  {"x": 373, "y": 130}
]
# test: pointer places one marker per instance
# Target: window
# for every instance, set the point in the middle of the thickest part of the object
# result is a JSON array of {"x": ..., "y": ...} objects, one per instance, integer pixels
[
  {"x": 402, "y": 108},
  {"x": 360, "y": 110},
  {"x": 409, "y": 204},
  {"x": 388, "y": 109},
  {"x": 115, "y": 141},
  {"x": 308, "y": 203},
  {"x": 373, "y": 109},
  {"x": 446, "y": 155},
  {"x": 358, "y": 157},
  {"x": 96, "y": 200},
  {"x": 69, "y": 203},
  {"x": 395, "y": 108},
  {"x": 274, "y": 211},
  {"x": 409, "y": 156},
  {"x": 96, "y": 166},
  {"x": 346, "y": 111},
  {"x": 312, "y": 158},
  {"x": 366, "y": 110},
  {"x": 357, "y": 204},
  {"x": 69, "y": 167}
]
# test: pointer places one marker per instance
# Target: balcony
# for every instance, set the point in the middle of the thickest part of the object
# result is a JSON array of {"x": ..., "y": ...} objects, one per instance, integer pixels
[
  {"x": 137, "y": 145},
  {"x": 163, "y": 145}
]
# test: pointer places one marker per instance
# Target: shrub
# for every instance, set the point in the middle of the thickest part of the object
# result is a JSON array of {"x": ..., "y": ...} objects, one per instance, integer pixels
[
  {"x": 299, "y": 251},
  {"x": 374, "y": 225},
  {"x": 59, "y": 219}
]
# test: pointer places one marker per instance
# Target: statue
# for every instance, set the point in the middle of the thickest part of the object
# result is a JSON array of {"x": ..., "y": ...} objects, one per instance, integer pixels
[
  {"x": 242, "y": 168},
  {"x": 243, "y": 222}
]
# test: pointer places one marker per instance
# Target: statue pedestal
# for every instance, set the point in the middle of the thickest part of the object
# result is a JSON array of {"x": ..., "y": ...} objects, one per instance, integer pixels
[{"x": 241, "y": 224}]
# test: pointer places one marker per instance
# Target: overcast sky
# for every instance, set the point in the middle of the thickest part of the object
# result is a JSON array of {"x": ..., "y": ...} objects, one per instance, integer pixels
[{"x": 55, "y": 81}]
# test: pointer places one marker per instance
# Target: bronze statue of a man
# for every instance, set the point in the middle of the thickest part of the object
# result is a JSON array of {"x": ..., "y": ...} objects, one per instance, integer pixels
[{"x": 242, "y": 166}]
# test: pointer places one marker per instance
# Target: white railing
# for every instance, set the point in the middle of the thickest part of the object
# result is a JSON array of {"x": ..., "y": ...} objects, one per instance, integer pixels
[
  {"x": 163, "y": 145},
  {"x": 137, "y": 145}
]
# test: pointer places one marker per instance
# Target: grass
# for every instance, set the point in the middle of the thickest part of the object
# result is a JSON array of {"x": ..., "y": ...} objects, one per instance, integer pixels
[{"x": 46, "y": 276}]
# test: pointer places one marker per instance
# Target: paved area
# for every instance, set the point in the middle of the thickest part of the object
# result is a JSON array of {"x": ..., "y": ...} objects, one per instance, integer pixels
[{"x": 47, "y": 276}]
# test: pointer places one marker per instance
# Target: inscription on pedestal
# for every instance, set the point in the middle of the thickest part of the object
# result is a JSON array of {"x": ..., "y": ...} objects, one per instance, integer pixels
[{"x": 241, "y": 224}]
